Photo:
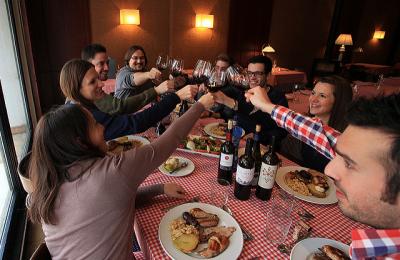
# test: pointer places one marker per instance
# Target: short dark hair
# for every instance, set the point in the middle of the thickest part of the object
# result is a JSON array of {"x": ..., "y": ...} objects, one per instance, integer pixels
[
  {"x": 90, "y": 51},
  {"x": 383, "y": 114},
  {"x": 264, "y": 60},
  {"x": 224, "y": 57},
  {"x": 131, "y": 50},
  {"x": 343, "y": 94}
]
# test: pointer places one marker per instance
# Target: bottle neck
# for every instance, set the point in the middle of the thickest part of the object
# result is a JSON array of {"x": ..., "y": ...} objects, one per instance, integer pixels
[
  {"x": 249, "y": 146},
  {"x": 272, "y": 149},
  {"x": 229, "y": 135}
]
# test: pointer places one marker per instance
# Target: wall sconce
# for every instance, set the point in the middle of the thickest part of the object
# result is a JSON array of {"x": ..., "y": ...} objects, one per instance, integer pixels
[
  {"x": 379, "y": 34},
  {"x": 129, "y": 16},
  {"x": 204, "y": 21},
  {"x": 343, "y": 39}
]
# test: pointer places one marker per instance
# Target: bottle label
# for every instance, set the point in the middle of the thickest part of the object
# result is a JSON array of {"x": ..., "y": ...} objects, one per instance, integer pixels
[
  {"x": 267, "y": 176},
  {"x": 244, "y": 176},
  {"x": 226, "y": 160}
]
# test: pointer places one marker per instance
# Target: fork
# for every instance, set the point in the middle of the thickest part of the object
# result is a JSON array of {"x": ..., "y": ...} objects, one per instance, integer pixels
[
  {"x": 194, "y": 199},
  {"x": 246, "y": 234}
]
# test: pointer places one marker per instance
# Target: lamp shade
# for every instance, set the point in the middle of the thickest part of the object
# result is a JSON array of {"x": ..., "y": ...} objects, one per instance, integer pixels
[
  {"x": 379, "y": 34},
  {"x": 129, "y": 16},
  {"x": 267, "y": 48},
  {"x": 344, "y": 39},
  {"x": 204, "y": 21}
]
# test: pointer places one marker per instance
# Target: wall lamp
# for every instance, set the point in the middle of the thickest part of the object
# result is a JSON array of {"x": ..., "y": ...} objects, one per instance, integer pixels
[
  {"x": 379, "y": 34},
  {"x": 204, "y": 21},
  {"x": 129, "y": 16}
]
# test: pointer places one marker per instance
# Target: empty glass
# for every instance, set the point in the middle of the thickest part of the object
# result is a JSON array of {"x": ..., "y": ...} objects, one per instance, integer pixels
[
  {"x": 296, "y": 93},
  {"x": 279, "y": 217},
  {"x": 219, "y": 191},
  {"x": 277, "y": 227}
]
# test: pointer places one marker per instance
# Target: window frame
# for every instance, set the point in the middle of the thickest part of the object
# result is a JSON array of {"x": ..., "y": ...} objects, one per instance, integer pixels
[{"x": 13, "y": 237}]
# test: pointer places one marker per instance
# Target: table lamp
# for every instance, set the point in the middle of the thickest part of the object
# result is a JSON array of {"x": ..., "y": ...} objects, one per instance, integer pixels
[{"x": 343, "y": 39}]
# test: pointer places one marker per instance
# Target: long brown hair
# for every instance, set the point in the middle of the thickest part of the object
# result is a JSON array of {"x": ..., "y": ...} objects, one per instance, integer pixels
[
  {"x": 131, "y": 51},
  {"x": 61, "y": 138},
  {"x": 343, "y": 94},
  {"x": 71, "y": 77}
]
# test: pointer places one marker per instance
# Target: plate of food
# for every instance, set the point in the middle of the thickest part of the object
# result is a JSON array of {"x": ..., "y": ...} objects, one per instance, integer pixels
[
  {"x": 202, "y": 144},
  {"x": 307, "y": 184},
  {"x": 126, "y": 143},
  {"x": 176, "y": 166},
  {"x": 217, "y": 130},
  {"x": 320, "y": 248},
  {"x": 198, "y": 230}
]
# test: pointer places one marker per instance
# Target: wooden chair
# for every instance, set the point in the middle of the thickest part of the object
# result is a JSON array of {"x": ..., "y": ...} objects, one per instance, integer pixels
[{"x": 41, "y": 253}]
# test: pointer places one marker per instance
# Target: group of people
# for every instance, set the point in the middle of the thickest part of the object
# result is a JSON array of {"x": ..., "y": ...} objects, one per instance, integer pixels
[{"x": 85, "y": 198}]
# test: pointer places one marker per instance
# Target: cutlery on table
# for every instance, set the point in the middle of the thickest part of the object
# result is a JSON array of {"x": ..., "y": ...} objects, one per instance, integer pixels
[{"x": 246, "y": 234}]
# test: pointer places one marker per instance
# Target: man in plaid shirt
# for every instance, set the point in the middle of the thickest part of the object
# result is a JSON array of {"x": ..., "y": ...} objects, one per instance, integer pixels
[{"x": 365, "y": 165}]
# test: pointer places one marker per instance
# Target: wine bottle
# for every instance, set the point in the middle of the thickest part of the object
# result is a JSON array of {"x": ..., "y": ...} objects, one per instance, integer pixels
[
  {"x": 269, "y": 166},
  {"x": 256, "y": 156},
  {"x": 244, "y": 173},
  {"x": 184, "y": 107},
  {"x": 226, "y": 157}
]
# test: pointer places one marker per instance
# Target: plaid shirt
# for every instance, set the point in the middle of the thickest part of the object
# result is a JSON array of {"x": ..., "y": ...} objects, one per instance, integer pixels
[
  {"x": 309, "y": 130},
  {"x": 368, "y": 243},
  {"x": 375, "y": 244}
]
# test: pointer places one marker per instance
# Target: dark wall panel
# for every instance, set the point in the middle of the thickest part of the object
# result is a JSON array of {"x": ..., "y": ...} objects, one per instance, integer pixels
[{"x": 58, "y": 31}]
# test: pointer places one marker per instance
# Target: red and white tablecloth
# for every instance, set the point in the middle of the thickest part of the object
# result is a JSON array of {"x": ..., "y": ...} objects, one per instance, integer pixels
[{"x": 329, "y": 221}]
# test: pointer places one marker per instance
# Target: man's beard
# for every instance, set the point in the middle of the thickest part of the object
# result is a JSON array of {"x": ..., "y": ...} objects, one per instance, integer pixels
[{"x": 103, "y": 76}]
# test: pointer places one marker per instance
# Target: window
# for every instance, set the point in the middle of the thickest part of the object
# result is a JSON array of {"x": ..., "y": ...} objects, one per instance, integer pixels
[{"x": 15, "y": 134}]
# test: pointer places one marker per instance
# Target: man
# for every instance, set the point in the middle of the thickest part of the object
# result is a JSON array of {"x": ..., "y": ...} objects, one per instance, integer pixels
[
  {"x": 134, "y": 77},
  {"x": 365, "y": 165},
  {"x": 97, "y": 55},
  {"x": 258, "y": 69},
  {"x": 222, "y": 62}
]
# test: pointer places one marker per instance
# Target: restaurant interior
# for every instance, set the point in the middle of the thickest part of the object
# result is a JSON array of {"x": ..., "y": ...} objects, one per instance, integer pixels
[{"x": 358, "y": 40}]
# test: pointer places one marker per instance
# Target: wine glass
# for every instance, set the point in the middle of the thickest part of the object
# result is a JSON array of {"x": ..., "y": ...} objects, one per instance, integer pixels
[
  {"x": 176, "y": 67},
  {"x": 379, "y": 83},
  {"x": 198, "y": 72},
  {"x": 216, "y": 81},
  {"x": 162, "y": 62},
  {"x": 296, "y": 91},
  {"x": 355, "y": 90}
]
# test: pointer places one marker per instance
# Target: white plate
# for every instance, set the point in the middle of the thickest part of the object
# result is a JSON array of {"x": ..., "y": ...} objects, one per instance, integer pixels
[
  {"x": 306, "y": 247},
  {"x": 280, "y": 180},
  {"x": 209, "y": 127},
  {"x": 181, "y": 172},
  {"x": 235, "y": 241},
  {"x": 131, "y": 137}
]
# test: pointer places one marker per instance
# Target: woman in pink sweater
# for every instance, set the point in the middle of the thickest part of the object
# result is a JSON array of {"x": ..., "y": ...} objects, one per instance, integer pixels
[{"x": 85, "y": 198}]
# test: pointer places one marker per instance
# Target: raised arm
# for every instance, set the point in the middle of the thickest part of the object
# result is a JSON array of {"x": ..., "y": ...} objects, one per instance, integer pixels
[
  {"x": 136, "y": 164},
  {"x": 311, "y": 131}
]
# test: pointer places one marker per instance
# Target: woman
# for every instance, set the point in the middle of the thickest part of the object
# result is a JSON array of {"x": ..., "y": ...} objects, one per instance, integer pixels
[
  {"x": 80, "y": 84},
  {"x": 328, "y": 102},
  {"x": 134, "y": 78},
  {"x": 84, "y": 198}
]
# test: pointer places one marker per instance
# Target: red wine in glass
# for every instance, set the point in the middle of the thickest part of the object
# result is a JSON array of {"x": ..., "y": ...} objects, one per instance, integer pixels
[
  {"x": 176, "y": 73},
  {"x": 214, "y": 86}
]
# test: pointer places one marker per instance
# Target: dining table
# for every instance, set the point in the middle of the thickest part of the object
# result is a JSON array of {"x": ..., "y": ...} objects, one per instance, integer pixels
[
  {"x": 283, "y": 76},
  {"x": 329, "y": 222}
]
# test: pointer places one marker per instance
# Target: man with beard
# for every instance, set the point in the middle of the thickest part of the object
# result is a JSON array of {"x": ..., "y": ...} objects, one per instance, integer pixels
[
  {"x": 134, "y": 78},
  {"x": 365, "y": 165},
  {"x": 97, "y": 55}
]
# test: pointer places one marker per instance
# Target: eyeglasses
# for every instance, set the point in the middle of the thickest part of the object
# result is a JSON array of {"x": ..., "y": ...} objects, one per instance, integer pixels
[
  {"x": 255, "y": 73},
  {"x": 137, "y": 58}
]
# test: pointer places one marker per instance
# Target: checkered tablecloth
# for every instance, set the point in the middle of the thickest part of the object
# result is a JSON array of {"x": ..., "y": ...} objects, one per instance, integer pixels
[{"x": 329, "y": 221}]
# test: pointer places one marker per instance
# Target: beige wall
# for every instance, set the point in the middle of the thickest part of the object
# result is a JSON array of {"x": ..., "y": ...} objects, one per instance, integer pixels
[{"x": 166, "y": 26}]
